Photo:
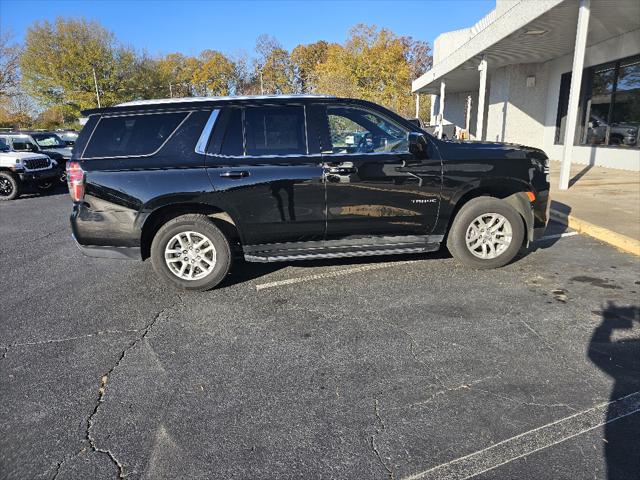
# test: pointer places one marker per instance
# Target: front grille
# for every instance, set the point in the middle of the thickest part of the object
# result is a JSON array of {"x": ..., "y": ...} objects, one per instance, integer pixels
[{"x": 36, "y": 163}]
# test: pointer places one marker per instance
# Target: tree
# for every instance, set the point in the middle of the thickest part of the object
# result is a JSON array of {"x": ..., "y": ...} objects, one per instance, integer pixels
[
  {"x": 272, "y": 66},
  {"x": 245, "y": 80},
  {"x": 305, "y": 60},
  {"x": 335, "y": 76},
  {"x": 60, "y": 58},
  {"x": 9, "y": 65},
  {"x": 215, "y": 74},
  {"x": 58, "y": 61},
  {"x": 277, "y": 73},
  {"x": 377, "y": 65},
  {"x": 177, "y": 72}
]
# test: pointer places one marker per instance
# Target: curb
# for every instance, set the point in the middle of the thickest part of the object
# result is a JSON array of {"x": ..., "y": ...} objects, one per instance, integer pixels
[{"x": 621, "y": 242}]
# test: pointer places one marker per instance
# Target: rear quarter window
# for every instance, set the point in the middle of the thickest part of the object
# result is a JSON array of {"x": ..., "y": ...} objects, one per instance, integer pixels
[{"x": 132, "y": 135}]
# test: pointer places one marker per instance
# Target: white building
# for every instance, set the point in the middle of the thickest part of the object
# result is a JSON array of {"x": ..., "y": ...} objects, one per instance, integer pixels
[{"x": 508, "y": 79}]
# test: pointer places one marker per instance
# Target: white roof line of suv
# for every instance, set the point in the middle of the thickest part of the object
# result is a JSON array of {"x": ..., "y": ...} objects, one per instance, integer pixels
[{"x": 214, "y": 99}]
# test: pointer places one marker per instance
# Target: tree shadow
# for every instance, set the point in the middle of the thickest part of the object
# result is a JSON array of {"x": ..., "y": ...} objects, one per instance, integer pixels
[{"x": 620, "y": 359}]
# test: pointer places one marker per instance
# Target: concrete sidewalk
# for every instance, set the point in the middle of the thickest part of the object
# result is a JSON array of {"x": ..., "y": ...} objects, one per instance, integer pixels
[{"x": 601, "y": 202}]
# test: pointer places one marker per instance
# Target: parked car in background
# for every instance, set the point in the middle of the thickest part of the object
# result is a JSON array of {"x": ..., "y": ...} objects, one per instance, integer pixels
[
  {"x": 193, "y": 182},
  {"x": 69, "y": 137},
  {"x": 600, "y": 132},
  {"x": 19, "y": 169},
  {"x": 47, "y": 143}
]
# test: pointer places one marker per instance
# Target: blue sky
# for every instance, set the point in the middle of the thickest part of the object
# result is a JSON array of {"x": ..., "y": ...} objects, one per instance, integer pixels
[{"x": 164, "y": 26}]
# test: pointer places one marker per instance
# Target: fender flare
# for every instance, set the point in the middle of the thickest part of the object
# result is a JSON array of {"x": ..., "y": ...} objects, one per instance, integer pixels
[{"x": 520, "y": 202}]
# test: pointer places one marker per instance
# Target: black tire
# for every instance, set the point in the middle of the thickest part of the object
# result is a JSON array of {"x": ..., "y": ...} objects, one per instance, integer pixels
[
  {"x": 202, "y": 225},
  {"x": 9, "y": 186},
  {"x": 456, "y": 241}
]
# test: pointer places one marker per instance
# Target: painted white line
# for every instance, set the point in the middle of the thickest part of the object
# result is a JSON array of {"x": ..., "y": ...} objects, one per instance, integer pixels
[
  {"x": 532, "y": 441},
  {"x": 558, "y": 235},
  {"x": 336, "y": 273}
]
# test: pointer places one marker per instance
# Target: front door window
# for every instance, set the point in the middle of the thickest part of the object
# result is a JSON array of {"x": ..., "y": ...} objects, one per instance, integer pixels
[{"x": 353, "y": 130}]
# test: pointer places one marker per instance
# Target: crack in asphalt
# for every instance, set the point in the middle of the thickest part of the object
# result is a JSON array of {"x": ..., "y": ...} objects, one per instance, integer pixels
[
  {"x": 412, "y": 349},
  {"x": 64, "y": 339},
  {"x": 383, "y": 428},
  {"x": 463, "y": 386},
  {"x": 520, "y": 402},
  {"x": 104, "y": 380}
]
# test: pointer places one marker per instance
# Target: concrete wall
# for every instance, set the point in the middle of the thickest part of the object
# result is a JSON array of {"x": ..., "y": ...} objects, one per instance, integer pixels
[
  {"x": 615, "y": 157},
  {"x": 516, "y": 112}
]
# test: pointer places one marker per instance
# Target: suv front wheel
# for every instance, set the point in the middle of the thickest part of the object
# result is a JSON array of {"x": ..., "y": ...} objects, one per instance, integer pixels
[
  {"x": 9, "y": 186},
  {"x": 190, "y": 252},
  {"x": 486, "y": 233}
]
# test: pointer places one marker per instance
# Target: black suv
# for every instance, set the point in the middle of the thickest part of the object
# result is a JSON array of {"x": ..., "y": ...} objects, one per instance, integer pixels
[{"x": 194, "y": 182}]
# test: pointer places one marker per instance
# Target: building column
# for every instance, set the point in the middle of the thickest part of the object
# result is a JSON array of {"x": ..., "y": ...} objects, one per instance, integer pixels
[
  {"x": 574, "y": 92},
  {"x": 432, "y": 113},
  {"x": 467, "y": 119},
  {"x": 441, "y": 110},
  {"x": 418, "y": 106},
  {"x": 482, "y": 93}
]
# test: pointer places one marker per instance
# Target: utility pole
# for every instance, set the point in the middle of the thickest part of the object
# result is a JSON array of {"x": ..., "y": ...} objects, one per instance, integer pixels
[{"x": 95, "y": 82}]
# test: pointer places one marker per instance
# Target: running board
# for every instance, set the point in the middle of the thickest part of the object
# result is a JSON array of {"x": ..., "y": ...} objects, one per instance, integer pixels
[{"x": 360, "y": 247}]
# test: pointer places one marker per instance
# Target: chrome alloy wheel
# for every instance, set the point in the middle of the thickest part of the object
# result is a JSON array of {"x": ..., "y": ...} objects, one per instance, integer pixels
[
  {"x": 488, "y": 236},
  {"x": 190, "y": 255}
]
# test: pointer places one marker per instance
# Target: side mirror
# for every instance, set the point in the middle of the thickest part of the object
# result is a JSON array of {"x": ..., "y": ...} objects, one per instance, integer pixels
[{"x": 417, "y": 145}]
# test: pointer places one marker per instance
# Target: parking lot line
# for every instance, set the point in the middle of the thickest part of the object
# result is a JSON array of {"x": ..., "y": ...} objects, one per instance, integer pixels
[
  {"x": 532, "y": 441},
  {"x": 336, "y": 273},
  {"x": 364, "y": 268},
  {"x": 558, "y": 235}
]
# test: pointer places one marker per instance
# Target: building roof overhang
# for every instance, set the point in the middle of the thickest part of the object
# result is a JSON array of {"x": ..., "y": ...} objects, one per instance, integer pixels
[{"x": 531, "y": 31}]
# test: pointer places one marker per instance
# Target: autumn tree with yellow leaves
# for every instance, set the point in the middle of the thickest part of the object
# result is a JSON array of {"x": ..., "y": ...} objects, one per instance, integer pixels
[{"x": 58, "y": 59}]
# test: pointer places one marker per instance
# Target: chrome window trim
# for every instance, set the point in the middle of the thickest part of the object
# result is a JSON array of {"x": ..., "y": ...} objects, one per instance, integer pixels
[
  {"x": 203, "y": 141},
  {"x": 257, "y": 157},
  {"x": 134, "y": 156},
  {"x": 306, "y": 128}
]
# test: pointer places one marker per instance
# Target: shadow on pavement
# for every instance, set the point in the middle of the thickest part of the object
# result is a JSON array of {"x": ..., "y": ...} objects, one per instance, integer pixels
[
  {"x": 31, "y": 191},
  {"x": 555, "y": 228},
  {"x": 243, "y": 271},
  {"x": 619, "y": 359}
]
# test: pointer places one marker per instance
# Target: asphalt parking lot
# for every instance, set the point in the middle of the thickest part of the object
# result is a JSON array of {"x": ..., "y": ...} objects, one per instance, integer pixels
[{"x": 408, "y": 367}]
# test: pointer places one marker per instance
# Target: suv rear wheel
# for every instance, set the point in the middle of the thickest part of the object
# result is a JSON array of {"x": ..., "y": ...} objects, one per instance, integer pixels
[
  {"x": 486, "y": 233},
  {"x": 191, "y": 253},
  {"x": 9, "y": 187}
]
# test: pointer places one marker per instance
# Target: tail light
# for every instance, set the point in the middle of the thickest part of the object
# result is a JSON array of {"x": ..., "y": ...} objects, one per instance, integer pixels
[{"x": 75, "y": 181}]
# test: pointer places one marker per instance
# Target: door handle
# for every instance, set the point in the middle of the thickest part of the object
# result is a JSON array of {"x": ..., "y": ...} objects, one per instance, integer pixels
[{"x": 235, "y": 174}]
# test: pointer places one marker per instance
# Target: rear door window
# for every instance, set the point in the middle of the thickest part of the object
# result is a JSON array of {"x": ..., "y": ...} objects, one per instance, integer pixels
[
  {"x": 232, "y": 139},
  {"x": 275, "y": 131},
  {"x": 132, "y": 135}
]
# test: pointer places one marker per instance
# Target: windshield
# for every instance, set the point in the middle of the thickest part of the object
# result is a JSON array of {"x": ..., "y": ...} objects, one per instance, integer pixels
[
  {"x": 4, "y": 147},
  {"x": 48, "y": 140}
]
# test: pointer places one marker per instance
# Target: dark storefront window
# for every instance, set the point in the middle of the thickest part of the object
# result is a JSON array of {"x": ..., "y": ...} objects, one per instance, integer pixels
[{"x": 609, "y": 109}]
